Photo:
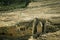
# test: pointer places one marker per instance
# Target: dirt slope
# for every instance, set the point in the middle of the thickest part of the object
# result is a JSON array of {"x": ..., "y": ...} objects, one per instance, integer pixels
[{"x": 46, "y": 10}]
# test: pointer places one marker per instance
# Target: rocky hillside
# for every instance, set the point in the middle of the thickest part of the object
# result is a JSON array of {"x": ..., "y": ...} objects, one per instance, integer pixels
[{"x": 49, "y": 10}]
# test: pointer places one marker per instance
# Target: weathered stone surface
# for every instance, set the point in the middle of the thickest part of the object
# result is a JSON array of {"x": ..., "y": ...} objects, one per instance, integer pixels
[{"x": 50, "y": 36}]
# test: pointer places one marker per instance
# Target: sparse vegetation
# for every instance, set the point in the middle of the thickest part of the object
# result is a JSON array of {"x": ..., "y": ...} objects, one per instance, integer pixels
[
  {"x": 12, "y": 27},
  {"x": 51, "y": 28},
  {"x": 6, "y": 5}
]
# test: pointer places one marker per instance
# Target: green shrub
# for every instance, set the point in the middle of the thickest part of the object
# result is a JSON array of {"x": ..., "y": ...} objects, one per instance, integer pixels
[
  {"x": 52, "y": 28},
  {"x": 6, "y": 5},
  {"x": 9, "y": 2}
]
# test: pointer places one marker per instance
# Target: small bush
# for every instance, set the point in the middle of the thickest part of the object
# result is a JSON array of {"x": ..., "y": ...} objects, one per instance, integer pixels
[
  {"x": 6, "y": 5},
  {"x": 9, "y": 2},
  {"x": 52, "y": 28}
]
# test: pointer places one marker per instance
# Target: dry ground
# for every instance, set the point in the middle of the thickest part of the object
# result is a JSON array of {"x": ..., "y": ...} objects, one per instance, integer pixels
[{"x": 44, "y": 10}]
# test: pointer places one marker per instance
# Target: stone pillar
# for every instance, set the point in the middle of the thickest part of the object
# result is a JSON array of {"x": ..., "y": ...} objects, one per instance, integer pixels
[
  {"x": 44, "y": 27},
  {"x": 40, "y": 26},
  {"x": 35, "y": 23},
  {"x": 34, "y": 29}
]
